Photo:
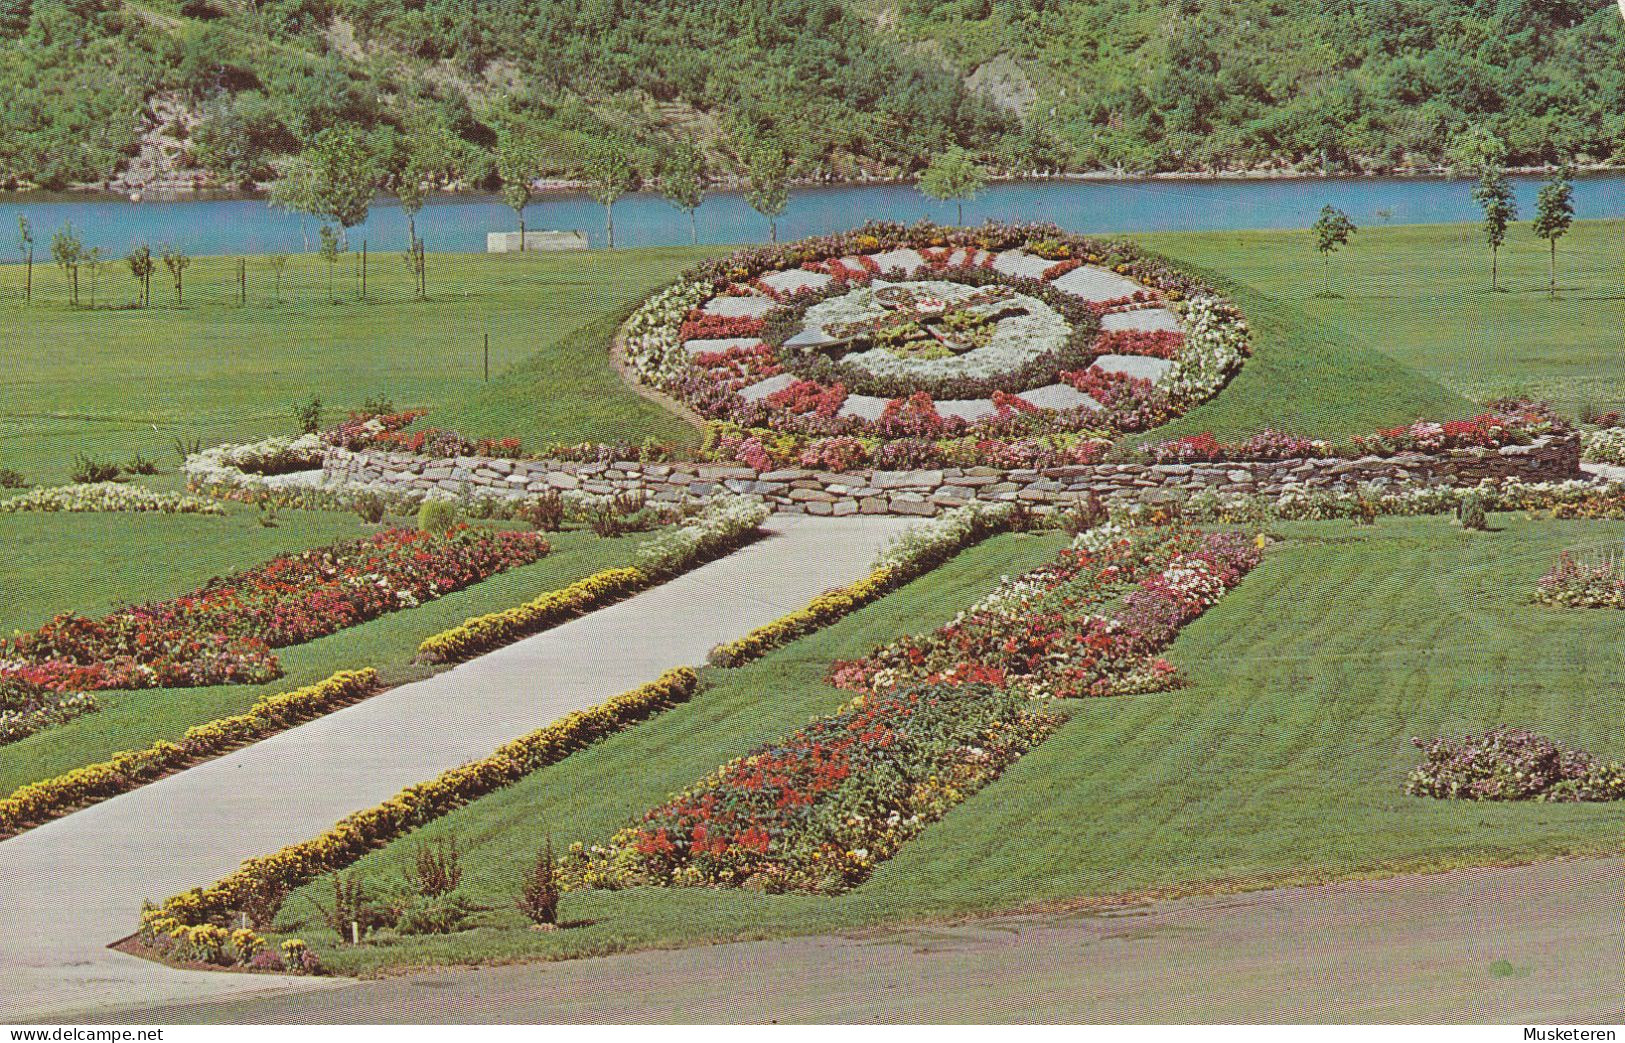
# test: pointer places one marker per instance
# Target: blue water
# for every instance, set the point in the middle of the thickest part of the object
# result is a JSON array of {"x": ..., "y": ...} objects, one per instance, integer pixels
[{"x": 231, "y": 226}]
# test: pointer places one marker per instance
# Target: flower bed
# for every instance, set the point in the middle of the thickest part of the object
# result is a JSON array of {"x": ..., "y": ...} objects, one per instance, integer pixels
[
  {"x": 1038, "y": 630},
  {"x": 723, "y": 525},
  {"x": 937, "y": 717},
  {"x": 414, "y": 806},
  {"x": 224, "y": 633},
  {"x": 50, "y": 798},
  {"x": 1606, "y": 446},
  {"x": 780, "y": 403},
  {"x": 817, "y": 810},
  {"x": 1572, "y": 583},
  {"x": 1514, "y": 422},
  {"x": 107, "y": 497},
  {"x": 1568, "y": 499},
  {"x": 1512, "y": 764},
  {"x": 26, "y": 708}
]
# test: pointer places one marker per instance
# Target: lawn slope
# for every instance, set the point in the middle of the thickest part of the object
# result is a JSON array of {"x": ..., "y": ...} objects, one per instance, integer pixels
[
  {"x": 1420, "y": 294},
  {"x": 1284, "y": 760}
]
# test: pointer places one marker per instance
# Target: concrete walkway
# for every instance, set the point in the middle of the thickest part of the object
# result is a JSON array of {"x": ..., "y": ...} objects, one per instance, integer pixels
[{"x": 71, "y": 887}]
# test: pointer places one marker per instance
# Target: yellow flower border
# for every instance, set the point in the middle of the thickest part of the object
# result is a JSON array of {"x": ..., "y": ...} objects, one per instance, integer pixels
[
  {"x": 821, "y": 611},
  {"x": 480, "y": 634},
  {"x": 833, "y": 605},
  {"x": 416, "y": 805},
  {"x": 42, "y": 801}
]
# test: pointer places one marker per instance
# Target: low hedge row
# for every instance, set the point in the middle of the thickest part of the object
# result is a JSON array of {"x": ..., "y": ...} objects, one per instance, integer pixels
[
  {"x": 480, "y": 634},
  {"x": 50, "y": 798},
  {"x": 416, "y": 805}
]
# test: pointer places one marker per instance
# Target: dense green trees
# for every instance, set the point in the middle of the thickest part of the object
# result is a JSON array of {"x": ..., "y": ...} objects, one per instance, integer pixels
[{"x": 1133, "y": 85}]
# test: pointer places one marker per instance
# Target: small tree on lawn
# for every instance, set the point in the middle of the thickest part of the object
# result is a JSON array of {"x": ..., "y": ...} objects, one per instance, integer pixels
[
  {"x": 1554, "y": 213},
  {"x": 610, "y": 175},
  {"x": 25, "y": 245},
  {"x": 682, "y": 182},
  {"x": 68, "y": 251},
  {"x": 1494, "y": 196},
  {"x": 330, "y": 249},
  {"x": 518, "y": 161},
  {"x": 1331, "y": 232},
  {"x": 953, "y": 175},
  {"x": 177, "y": 262},
  {"x": 95, "y": 261},
  {"x": 767, "y": 187},
  {"x": 345, "y": 177},
  {"x": 294, "y": 191},
  {"x": 141, "y": 268},
  {"x": 279, "y": 264},
  {"x": 539, "y": 895}
]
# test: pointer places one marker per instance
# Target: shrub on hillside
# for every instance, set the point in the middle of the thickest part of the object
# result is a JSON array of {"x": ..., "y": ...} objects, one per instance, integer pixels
[
  {"x": 87, "y": 470},
  {"x": 437, "y": 516}
]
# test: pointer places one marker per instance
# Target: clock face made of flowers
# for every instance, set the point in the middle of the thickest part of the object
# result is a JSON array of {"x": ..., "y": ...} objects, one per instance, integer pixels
[{"x": 1014, "y": 334}]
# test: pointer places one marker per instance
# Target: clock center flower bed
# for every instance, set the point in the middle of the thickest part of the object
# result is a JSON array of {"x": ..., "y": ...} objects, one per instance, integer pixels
[{"x": 224, "y": 632}]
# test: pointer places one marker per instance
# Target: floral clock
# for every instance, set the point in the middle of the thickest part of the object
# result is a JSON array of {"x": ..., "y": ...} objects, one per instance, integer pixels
[{"x": 892, "y": 346}]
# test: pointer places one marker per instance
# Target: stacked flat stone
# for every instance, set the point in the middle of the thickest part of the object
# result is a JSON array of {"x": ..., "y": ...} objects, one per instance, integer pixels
[{"x": 925, "y": 492}]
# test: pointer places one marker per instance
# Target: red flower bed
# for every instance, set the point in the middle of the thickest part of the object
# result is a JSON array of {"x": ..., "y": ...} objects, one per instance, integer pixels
[
  {"x": 1157, "y": 344},
  {"x": 702, "y": 326},
  {"x": 938, "y": 717},
  {"x": 224, "y": 633},
  {"x": 1039, "y": 628},
  {"x": 817, "y": 810},
  {"x": 809, "y": 396}
]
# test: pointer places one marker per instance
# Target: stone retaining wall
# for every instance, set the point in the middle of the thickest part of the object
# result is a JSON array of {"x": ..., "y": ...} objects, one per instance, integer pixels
[{"x": 925, "y": 492}]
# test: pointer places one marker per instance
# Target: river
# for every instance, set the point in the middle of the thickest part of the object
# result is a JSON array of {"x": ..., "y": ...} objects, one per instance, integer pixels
[{"x": 459, "y": 223}]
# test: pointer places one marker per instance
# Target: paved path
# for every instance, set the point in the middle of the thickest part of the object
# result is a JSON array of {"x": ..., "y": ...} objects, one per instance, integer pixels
[
  {"x": 71, "y": 887},
  {"x": 1418, "y": 949}
]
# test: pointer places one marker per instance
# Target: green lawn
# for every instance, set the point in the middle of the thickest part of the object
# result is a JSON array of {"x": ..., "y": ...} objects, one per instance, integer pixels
[
  {"x": 66, "y": 564},
  {"x": 1416, "y": 332},
  {"x": 1420, "y": 294},
  {"x": 1283, "y": 760},
  {"x": 112, "y": 382}
]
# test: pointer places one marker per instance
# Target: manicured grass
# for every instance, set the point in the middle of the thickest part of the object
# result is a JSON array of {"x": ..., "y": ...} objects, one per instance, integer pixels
[
  {"x": 167, "y": 556},
  {"x": 112, "y": 382},
  {"x": 1284, "y": 760},
  {"x": 1420, "y": 294}
]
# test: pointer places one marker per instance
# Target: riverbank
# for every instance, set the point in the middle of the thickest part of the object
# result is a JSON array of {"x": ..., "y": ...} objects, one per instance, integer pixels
[
  {"x": 549, "y": 187},
  {"x": 234, "y": 224}
]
